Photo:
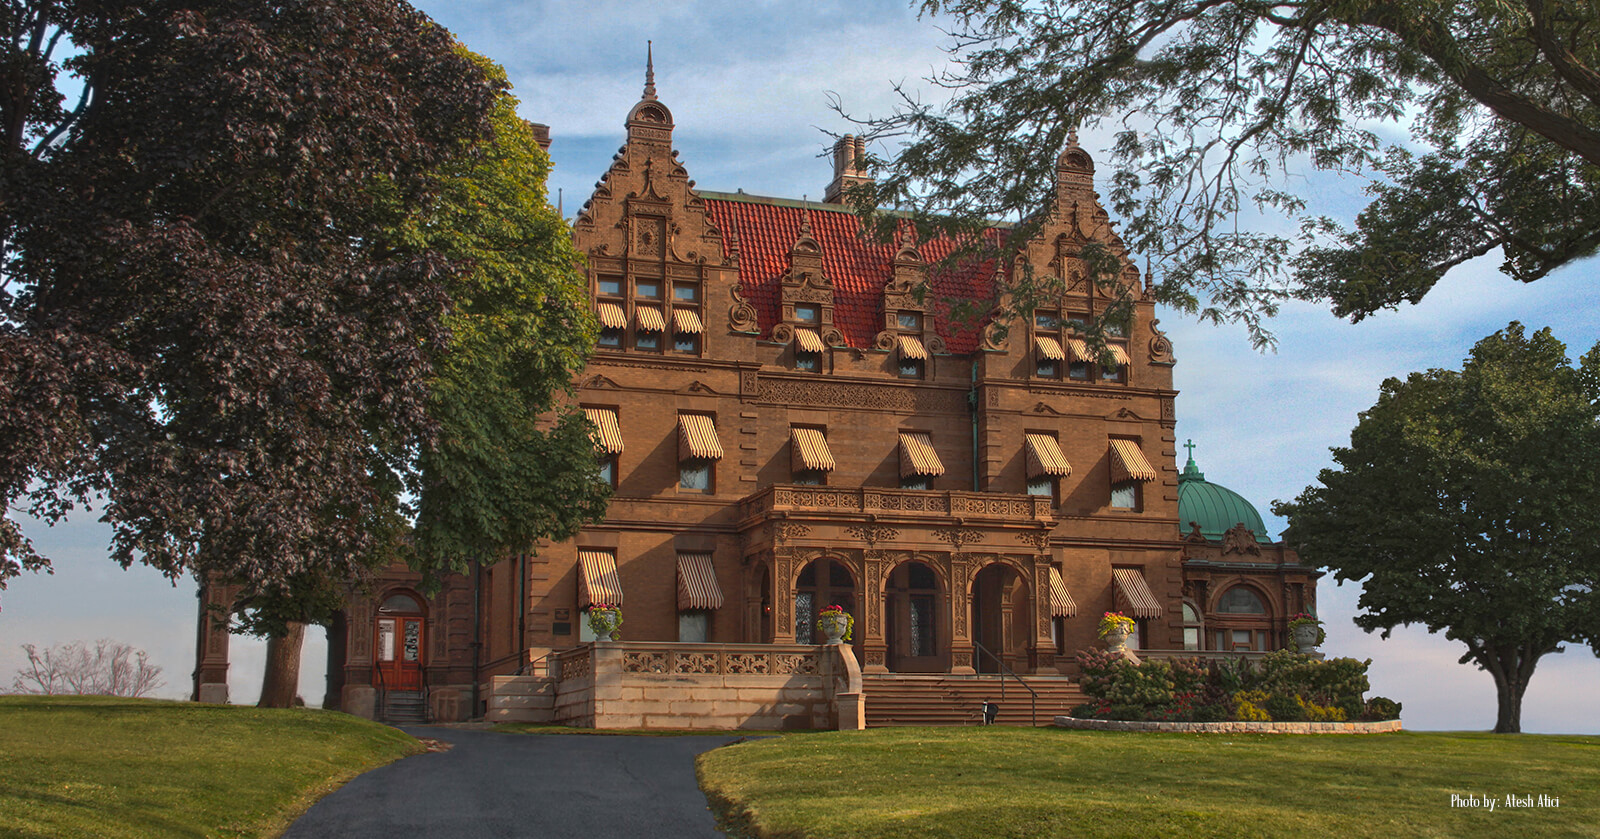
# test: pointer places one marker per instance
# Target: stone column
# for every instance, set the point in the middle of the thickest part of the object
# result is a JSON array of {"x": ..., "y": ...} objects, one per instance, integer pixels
[
  {"x": 1044, "y": 649},
  {"x": 211, "y": 647},
  {"x": 874, "y": 644},
  {"x": 960, "y": 602}
]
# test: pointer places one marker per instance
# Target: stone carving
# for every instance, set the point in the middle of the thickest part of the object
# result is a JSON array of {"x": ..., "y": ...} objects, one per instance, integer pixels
[
  {"x": 936, "y": 345},
  {"x": 874, "y": 657},
  {"x": 886, "y": 340},
  {"x": 961, "y": 659},
  {"x": 783, "y": 531},
  {"x": 694, "y": 663},
  {"x": 832, "y": 337},
  {"x": 644, "y": 662},
  {"x": 748, "y": 382},
  {"x": 788, "y": 664},
  {"x": 1240, "y": 540},
  {"x": 1160, "y": 347},
  {"x": 844, "y": 395},
  {"x": 872, "y": 533},
  {"x": 575, "y": 666},
  {"x": 958, "y": 536},
  {"x": 750, "y": 664},
  {"x": 741, "y": 315},
  {"x": 1039, "y": 539},
  {"x": 994, "y": 337},
  {"x": 783, "y": 333}
]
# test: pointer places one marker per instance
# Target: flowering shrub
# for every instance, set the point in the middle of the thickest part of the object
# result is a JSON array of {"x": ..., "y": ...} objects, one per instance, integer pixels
[
  {"x": 1247, "y": 706},
  {"x": 1115, "y": 622},
  {"x": 1288, "y": 687},
  {"x": 831, "y": 612}
]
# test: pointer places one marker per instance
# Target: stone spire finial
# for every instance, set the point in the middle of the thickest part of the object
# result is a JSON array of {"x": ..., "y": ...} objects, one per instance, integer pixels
[
  {"x": 649, "y": 71},
  {"x": 1072, "y": 137},
  {"x": 805, "y": 217}
]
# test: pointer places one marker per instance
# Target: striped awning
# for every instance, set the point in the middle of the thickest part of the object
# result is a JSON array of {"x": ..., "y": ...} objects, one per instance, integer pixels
[
  {"x": 1128, "y": 462},
  {"x": 649, "y": 319},
  {"x": 807, "y": 340},
  {"x": 911, "y": 347},
  {"x": 697, "y": 438},
  {"x": 1047, "y": 347},
  {"x": 1045, "y": 457},
  {"x": 687, "y": 322},
  {"x": 1119, "y": 354},
  {"x": 597, "y": 580},
  {"x": 809, "y": 450},
  {"x": 917, "y": 456},
  {"x": 611, "y": 316},
  {"x": 1079, "y": 349},
  {"x": 1135, "y": 593},
  {"x": 1061, "y": 605},
  {"x": 697, "y": 582},
  {"x": 608, "y": 433}
]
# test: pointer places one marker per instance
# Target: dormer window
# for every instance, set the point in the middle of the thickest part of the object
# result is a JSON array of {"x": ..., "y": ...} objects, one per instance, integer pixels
[
  {"x": 808, "y": 313},
  {"x": 911, "y": 321}
]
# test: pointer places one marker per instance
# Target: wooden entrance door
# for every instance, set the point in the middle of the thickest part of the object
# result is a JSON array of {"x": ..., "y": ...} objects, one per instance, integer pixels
[
  {"x": 399, "y": 640},
  {"x": 911, "y": 628}
]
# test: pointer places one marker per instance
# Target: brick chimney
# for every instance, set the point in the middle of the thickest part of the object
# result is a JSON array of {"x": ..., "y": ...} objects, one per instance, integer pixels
[
  {"x": 847, "y": 154},
  {"x": 541, "y": 134}
]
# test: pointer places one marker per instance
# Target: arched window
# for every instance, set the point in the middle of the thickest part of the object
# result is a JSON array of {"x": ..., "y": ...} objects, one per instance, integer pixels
[
  {"x": 1240, "y": 600},
  {"x": 1192, "y": 629},
  {"x": 403, "y": 604}
]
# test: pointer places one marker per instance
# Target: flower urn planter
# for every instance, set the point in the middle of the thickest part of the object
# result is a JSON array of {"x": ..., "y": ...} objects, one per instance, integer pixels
[
  {"x": 1117, "y": 640},
  {"x": 834, "y": 625},
  {"x": 604, "y": 622},
  {"x": 1305, "y": 638}
]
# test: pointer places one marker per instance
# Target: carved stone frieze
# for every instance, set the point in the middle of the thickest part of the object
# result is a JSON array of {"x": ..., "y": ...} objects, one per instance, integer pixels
[
  {"x": 958, "y": 536},
  {"x": 872, "y": 533},
  {"x": 848, "y": 395},
  {"x": 995, "y": 337},
  {"x": 783, "y": 531},
  {"x": 1039, "y": 539}
]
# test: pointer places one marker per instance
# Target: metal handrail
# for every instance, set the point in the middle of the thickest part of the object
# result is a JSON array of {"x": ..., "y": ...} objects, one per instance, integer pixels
[
  {"x": 382, "y": 710},
  {"x": 1004, "y": 671},
  {"x": 529, "y": 668}
]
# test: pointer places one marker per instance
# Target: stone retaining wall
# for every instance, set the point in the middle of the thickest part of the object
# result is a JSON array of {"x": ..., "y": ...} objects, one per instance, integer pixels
[
  {"x": 1382, "y": 727},
  {"x": 711, "y": 686}
]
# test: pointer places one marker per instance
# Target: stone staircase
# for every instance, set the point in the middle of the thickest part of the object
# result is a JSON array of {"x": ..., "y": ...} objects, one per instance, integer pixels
[
  {"x": 943, "y": 699},
  {"x": 405, "y": 707}
]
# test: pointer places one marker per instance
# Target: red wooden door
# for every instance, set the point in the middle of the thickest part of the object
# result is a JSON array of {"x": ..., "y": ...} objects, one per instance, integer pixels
[{"x": 399, "y": 653}]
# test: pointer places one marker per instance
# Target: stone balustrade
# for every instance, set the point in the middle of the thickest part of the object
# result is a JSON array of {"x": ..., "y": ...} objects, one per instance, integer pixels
[{"x": 896, "y": 502}]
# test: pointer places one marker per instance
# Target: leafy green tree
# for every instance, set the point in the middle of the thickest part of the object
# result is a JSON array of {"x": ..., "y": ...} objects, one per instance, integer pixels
[
  {"x": 1220, "y": 105},
  {"x": 1469, "y": 502},
  {"x": 510, "y": 462},
  {"x": 202, "y": 320}
]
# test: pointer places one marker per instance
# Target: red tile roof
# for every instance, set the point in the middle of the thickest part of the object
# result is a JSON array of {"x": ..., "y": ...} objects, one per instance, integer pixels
[{"x": 858, "y": 267}]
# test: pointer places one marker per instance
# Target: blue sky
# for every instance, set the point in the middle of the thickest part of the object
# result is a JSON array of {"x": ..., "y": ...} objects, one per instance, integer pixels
[{"x": 749, "y": 84}]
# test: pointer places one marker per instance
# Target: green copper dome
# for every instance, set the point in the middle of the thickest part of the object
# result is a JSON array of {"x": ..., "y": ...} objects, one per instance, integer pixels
[{"x": 1215, "y": 508}]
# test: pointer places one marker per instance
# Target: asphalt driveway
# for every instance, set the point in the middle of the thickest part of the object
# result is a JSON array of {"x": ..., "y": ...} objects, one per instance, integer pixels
[{"x": 524, "y": 785}]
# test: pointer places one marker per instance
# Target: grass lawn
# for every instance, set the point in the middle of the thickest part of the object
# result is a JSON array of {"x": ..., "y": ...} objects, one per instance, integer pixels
[
  {"x": 103, "y": 767},
  {"x": 1020, "y": 782}
]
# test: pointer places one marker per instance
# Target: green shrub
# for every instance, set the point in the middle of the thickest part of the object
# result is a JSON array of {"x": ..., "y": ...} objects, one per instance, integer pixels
[
  {"x": 1212, "y": 712},
  {"x": 1248, "y": 706},
  {"x": 1285, "y": 707},
  {"x": 1353, "y": 707},
  {"x": 1312, "y": 712},
  {"x": 1125, "y": 712},
  {"x": 1381, "y": 708},
  {"x": 1090, "y": 710},
  {"x": 1097, "y": 667},
  {"x": 1233, "y": 675},
  {"x": 1324, "y": 681},
  {"x": 1149, "y": 685},
  {"x": 1189, "y": 675}
]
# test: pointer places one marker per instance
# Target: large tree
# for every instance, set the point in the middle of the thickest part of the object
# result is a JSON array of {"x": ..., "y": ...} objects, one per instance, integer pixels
[
  {"x": 1220, "y": 106},
  {"x": 511, "y": 461},
  {"x": 1469, "y": 502},
  {"x": 203, "y": 321}
]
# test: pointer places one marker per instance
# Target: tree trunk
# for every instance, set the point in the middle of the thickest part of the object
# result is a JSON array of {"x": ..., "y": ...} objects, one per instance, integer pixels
[
  {"x": 1512, "y": 667},
  {"x": 282, "y": 679}
]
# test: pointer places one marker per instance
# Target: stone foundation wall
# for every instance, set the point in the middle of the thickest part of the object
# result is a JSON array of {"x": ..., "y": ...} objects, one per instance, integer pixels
[{"x": 1233, "y": 727}]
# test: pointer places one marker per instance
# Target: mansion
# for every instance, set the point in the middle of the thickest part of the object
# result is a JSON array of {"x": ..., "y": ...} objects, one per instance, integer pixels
[{"x": 788, "y": 424}]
